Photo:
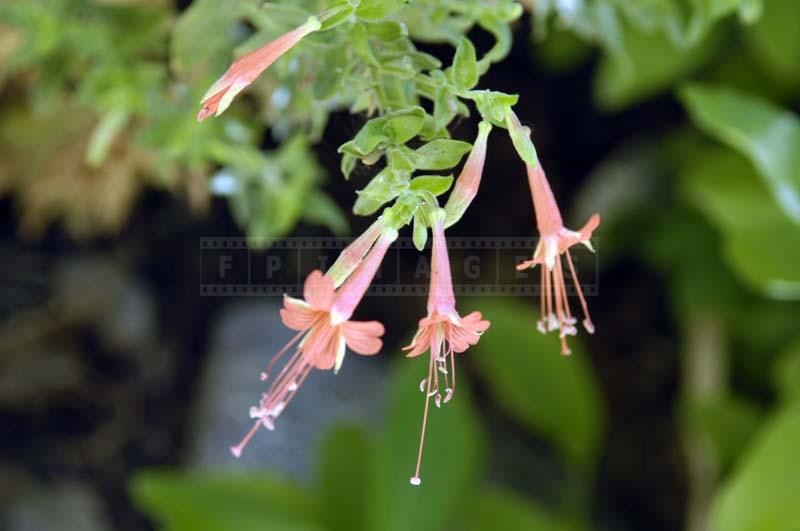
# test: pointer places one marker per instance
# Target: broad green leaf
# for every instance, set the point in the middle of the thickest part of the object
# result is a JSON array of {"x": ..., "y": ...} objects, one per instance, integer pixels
[
  {"x": 402, "y": 126},
  {"x": 526, "y": 376},
  {"x": 465, "y": 65},
  {"x": 220, "y": 502},
  {"x": 762, "y": 493},
  {"x": 388, "y": 30},
  {"x": 768, "y": 135},
  {"x": 378, "y": 9},
  {"x": 435, "y": 184},
  {"x": 786, "y": 371},
  {"x": 498, "y": 509},
  {"x": 342, "y": 479},
  {"x": 336, "y": 16},
  {"x": 440, "y": 154},
  {"x": 762, "y": 245},
  {"x": 451, "y": 462},
  {"x": 775, "y": 40},
  {"x": 728, "y": 421},
  {"x": 652, "y": 64}
]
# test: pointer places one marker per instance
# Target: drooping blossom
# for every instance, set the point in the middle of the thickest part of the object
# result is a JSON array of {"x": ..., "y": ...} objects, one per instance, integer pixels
[
  {"x": 469, "y": 180},
  {"x": 324, "y": 331},
  {"x": 554, "y": 242},
  {"x": 351, "y": 256},
  {"x": 247, "y": 68},
  {"x": 443, "y": 333}
]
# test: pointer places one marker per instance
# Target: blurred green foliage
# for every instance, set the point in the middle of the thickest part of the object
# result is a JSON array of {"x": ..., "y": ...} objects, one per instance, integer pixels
[{"x": 99, "y": 102}]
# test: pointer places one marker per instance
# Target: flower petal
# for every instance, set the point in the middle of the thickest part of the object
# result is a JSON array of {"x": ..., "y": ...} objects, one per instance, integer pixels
[
  {"x": 296, "y": 314},
  {"x": 421, "y": 342},
  {"x": 363, "y": 337},
  {"x": 318, "y": 291}
]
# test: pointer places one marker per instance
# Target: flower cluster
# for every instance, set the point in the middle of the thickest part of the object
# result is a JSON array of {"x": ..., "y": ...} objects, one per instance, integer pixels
[{"x": 322, "y": 318}]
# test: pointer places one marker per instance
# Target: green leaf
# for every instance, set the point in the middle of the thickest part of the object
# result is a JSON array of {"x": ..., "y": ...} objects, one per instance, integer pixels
[
  {"x": 388, "y": 30},
  {"x": 336, "y": 16},
  {"x": 220, "y": 502},
  {"x": 320, "y": 209},
  {"x": 402, "y": 126},
  {"x": 728, "y": 421},
  {"x": 420, "y": 236},
  {"x": 767, "y": 135},
  {"x": 384, "y": 187},
  {"x": 440, "y": 154},
  {"x": 435, "y": 184},
  {"x": 786, "y": 372},
  {"x": 775, "y": 41},
  {"x": 498, "y": 509},
  {"x": 377, "y": 9},
  {"x": 761, "y": 495},
  {"x": 451, "y": 463},
  {"x": 342, "y": 479},
  {"x": 526, "y": 375},
  {"x": 202, "y": 40},
  {"x": 762, "y": 245},
  {"x": 652, "y": 64},
  {"x": 465, "y": 66},
  {"x": 367, "y": 139}
]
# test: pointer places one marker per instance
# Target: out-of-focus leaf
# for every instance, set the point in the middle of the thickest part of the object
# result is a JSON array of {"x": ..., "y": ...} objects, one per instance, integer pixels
[
  {"x": 786, "y": 371},
  {"x": 761, "y": 495},
  {"x": 451, "y": 462},
  {"x": 203, "y": 39},
  {"x": 216, "y": 502},
  {"x": 775, "y": 40},
  {"x": 320, "y": 209},
  {"x": 527, "y": 377},
  {"x": 342, "y": 479},
  {"x": 378, "y": 9},
  {"x": 729, "y": 421},
  {"x": 762, "y": 245},
  {"x": 499, "y": 509},
  {"x": 767, "y": 135},
  {"x": 652, "y": 64}
]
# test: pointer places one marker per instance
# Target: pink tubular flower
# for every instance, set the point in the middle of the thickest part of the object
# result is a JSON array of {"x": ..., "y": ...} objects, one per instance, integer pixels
[
  {"x": 555, "y": 240},
  {"x": 248, "y": 67},
  {"x": 322, "y": 319},
  {"x": 442, "y": 333},
  {"x": 468, "y": 182},
  {"x": 351, "y": 256}
]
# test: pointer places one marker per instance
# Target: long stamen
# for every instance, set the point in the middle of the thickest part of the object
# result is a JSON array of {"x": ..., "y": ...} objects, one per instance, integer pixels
[
  {"x": 237, "y": 450},
  {"x": 587, "y": 321},
  {"x": 415, "y": 480},
  {"x": 281, "y": 352},
  {"x": 451, "y": 390}
]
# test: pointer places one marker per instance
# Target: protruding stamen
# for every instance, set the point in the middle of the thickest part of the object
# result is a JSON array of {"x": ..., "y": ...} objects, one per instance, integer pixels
[
  {"x": 292, "y": 387},
  {"x": 264, "y": 376},
  {"x": 448, "y": 395},
  {"x": 266, "y": 420},
  {"x": 438, "y": 400},
  {"x": 422, "y": 385},
  {"x": 588, "y": 325},
  {"x": 541, "y": 326},
  {"x": 415, "y": 481},
  {"x": 237, "y": 450}
]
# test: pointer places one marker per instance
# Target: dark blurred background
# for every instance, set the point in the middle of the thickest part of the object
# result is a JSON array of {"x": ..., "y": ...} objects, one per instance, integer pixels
[{"x": 121, "y": 387}]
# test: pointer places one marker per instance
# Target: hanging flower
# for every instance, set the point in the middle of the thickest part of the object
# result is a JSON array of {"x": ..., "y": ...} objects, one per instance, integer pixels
[
  {"x": 442, "y": 333},
  {"x": 322, "y": 319},
  {"x": 469, "y": 180},
  {"x": 555, "y": 241},
  {"x": 247, "y": 68},
  {"x": 351, "y": 256}
]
